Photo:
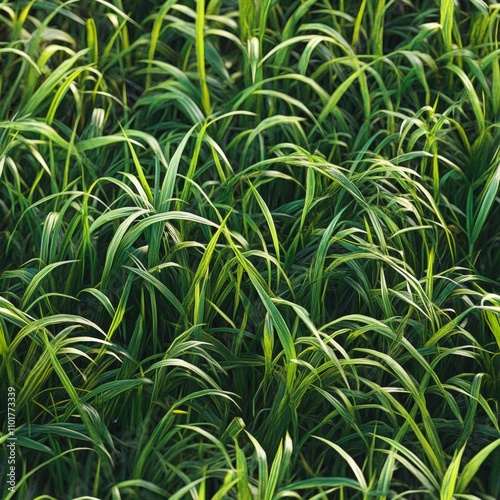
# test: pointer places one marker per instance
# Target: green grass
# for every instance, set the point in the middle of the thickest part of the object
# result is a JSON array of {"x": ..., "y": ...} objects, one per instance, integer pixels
[{"x": 250, "y": 250}]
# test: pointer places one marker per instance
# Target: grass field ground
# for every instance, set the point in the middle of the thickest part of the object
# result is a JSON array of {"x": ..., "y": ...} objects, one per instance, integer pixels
[{"x": 250, "y": 250}]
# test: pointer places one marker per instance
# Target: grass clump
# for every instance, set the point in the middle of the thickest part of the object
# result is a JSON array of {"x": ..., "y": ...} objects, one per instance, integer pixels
[{"x": 250, "y": 250}]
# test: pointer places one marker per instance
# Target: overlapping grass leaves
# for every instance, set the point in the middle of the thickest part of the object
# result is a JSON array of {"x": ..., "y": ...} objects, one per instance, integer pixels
[{"x": 251, "y": 251}]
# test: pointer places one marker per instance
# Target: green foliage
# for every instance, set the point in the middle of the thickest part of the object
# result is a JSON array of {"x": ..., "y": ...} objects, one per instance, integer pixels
[{"x": 250, "y": 250}]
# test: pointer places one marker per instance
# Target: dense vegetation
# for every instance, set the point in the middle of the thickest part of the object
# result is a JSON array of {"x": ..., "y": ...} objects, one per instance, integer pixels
[{"x": 251, "y": 249}]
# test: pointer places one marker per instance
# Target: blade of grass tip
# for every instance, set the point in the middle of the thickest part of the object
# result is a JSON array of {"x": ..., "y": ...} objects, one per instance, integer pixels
[
  {"x": 92, "y": 42},
  {"x": 164, "y": 195},
  {"x": 37, "y": 279},
  {"x": 289, "y": 30},
  {"x": 474, "y": 100},
  {"x": 385, "y": 478},
  {"x": 242, "y": 473},
  {"x": 471, "y": 468},
  {"x": 290, "y": 255},
  {"x": 277, "y": 50},
  {"x": 161, "y": 434},
  {"x": 470, "y": 417},
  {"x": 447, "y": 328},
  {"x": 130, "y": 236},
  {"x": 233, "y": 429},
  {"x": 318, "y": 265},
  {"x": 28, "y": 327},
  {"x": 110, "y": 390},
  {"x": 413, "y": 463},
  {"x": 282, "y": 329},
  {"x": 253, "y": 59},
  {"x": 188, "y": 367},
  {"x": 279, "y": 466},
  {"x": 274, "y": 473},
  {"x": 433, "y": 447},
  {"x": 492, "y": 314},
  {"x": 217, "y": 154},
  {"x": 112, "y": 252},
  {"x": 482, "y": 6},
  {"x": 26, "y": 442},
  {"x": 45, "y": 89},
  {"x": 262, "y": 466},
  {"x": 342, "y": 88},
  {"x": 447, "y": 491},
  {"x": 256, "y": 279},
  {"x": 116, "y": 10},
  {"x": 62, "y": 91},
  {"x": 119, "y": 313},
  {"x": 99, "y": 142},
  {"x": 357, "y": 24},
  {"x": 203, "y": 267},
  {"x": 304, "y": 316},
  {"x": 151, "y": 141},
  {"x": 170, "y": 178},
  {"x": 36, "y": 127},
  {"x": 141, "y": 484},
  {"x": 272, "y": 121},
  {"x": 183, "y": 492},
  {"x": 345, "y": 412},
  {"x": 270, "y": 222},
  {"x": 210, "y": 437},
  {"x": 488, "y": 197},
  {"x": 323, "y": 484},
  {"x": 48, "y": 232},
  {"x": 226, "y": 487},
  {"x": 138, "y": 167},
  {"x": 72, "y": 393},
  {"x": 161, "y": 287},
  {"x": 352, "y": 463},
  {"x": 200, "y": 55}
]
